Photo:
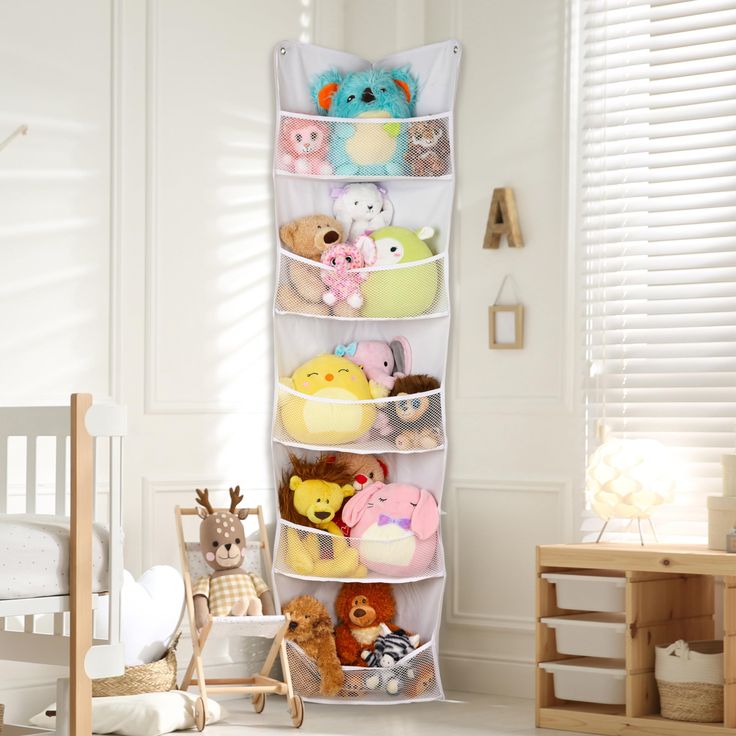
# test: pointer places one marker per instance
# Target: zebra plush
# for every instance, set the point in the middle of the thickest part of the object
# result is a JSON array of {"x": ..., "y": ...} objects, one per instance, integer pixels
[{"x": 389, "y": 648}]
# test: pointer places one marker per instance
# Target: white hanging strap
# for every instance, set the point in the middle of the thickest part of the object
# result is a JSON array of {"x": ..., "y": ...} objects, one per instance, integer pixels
[
  {"x": 20, "y": 130},
  {"x": 507, "y": 279}
]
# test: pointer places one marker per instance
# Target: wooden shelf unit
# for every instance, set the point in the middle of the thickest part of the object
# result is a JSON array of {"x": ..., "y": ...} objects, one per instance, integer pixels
[{"x": 670, "y": 595}]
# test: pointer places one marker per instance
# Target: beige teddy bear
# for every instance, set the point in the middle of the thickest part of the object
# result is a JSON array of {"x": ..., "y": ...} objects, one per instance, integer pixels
[{"x": 301, "y": 288}]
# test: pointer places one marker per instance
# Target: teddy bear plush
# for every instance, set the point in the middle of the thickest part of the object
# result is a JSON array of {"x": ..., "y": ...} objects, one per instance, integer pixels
[
  {"x": 308, "y": 237},
  {"x": 428, "y": 153},
  {"x": 361, "y": 608},
  {"x": 368, "y": 148},
  {"x": 229, "y": 590},
  {"x": 303, "y": 147},
  {"x": 310, "y": 495},
  {"x": 361, "y": 207},
  {"x": 416, "y": 419},
  {"x": 312, "y": 630}
]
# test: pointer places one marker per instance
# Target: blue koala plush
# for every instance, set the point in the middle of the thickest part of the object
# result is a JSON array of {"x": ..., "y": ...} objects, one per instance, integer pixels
[{"x": 369, "y": 149}]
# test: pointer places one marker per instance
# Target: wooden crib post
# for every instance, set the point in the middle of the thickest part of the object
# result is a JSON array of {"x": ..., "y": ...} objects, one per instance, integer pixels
[{"x": 80, "y": 564}]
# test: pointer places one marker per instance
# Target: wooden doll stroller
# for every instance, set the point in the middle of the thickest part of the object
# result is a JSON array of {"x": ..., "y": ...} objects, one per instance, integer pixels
[{"x": 257, "y": 560}]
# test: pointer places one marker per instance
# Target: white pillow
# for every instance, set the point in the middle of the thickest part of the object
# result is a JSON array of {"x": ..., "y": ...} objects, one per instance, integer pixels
[
  {"x": 152, "y": 608},
  {"x": 149, "y": 714}
]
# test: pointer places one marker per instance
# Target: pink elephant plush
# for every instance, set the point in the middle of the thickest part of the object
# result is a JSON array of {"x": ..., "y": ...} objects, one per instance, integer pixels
[
  {"x": 342, "y": 279},
  {"x": 382, "y": 362},
  {"x": 395, "y": 527}
]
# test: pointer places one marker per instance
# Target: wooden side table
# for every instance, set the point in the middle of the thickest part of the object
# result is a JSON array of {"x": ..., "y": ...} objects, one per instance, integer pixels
[{"x": 669, "y": 596}]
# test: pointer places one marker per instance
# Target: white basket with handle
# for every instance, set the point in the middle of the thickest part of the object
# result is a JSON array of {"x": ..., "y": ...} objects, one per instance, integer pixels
[{"x": 690, "y": 680}]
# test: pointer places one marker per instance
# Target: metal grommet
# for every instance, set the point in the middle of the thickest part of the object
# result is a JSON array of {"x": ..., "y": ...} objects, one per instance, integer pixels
[
  {"x": 455, "y": 49},
  {"x": 282, "y": 50}
]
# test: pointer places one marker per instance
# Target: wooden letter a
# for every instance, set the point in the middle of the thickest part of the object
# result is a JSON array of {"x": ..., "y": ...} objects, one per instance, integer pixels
[{"x": 503, "y": 220}]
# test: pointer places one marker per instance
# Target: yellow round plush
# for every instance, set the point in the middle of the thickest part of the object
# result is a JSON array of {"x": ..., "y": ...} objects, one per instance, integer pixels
[{"x": 325, "y": 423}]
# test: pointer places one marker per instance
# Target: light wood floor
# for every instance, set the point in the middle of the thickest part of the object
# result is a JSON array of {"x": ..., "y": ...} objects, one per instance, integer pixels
[{"x": 462, "y": 713}]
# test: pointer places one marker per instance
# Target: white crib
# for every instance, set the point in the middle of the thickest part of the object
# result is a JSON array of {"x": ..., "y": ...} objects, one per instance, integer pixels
[{"x": 94, "y": 435}]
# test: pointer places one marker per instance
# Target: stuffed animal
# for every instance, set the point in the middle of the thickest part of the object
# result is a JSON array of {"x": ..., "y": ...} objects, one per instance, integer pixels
[
  {"x": 361, "y": 207},
  {"x": 311, "y": 494},
  {"x": 361, "y": 608},
  {"x": 396, "y": 524},
  {"x": 363, "y": 470},
  {"x": 416, "y": 420},
  {"x": 325, "y": 422},
  {"x": 312, "y": 630},
  {"x": 382, "y": 362},
  {"x": 423, "y": 678},
  {"x": 429, "y": 148},
  {"x": 367, "y": 148},
  {"x": 229, "y": 590},
  {"x": 303, "y": 147},
  {"x": 342, "y": 279},
  {"x": 388, "y": 650},
  {"x": 400, "y": 292},
  {"x": 309, "y": 237}
]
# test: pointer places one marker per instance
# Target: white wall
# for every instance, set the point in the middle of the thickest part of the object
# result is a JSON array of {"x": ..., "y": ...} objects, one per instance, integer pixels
[{"x": 142, "y": 257}]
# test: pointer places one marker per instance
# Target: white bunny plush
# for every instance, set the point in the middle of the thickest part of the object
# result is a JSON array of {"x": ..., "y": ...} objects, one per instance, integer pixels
[{"x": 361, "y": 207}]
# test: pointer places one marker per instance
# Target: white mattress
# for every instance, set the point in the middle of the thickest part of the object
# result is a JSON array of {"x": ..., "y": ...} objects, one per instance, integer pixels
[{"x": 34, "y": 556}]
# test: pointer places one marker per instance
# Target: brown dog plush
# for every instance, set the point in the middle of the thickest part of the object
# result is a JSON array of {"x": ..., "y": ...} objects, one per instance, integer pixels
[
  {"x": 311, "y": 628},
  {"x": 308, "y": 237},
  {"x": 361, "y": 608}
]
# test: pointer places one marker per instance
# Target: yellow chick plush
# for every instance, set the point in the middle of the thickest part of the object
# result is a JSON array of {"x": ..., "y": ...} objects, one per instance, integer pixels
[{"x": 327, "y": 422}]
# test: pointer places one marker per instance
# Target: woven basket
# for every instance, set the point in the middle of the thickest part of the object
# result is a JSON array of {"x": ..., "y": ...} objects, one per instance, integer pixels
[
  {"x": 690, "y": 681},
  {"x": 155, "y": 677}
]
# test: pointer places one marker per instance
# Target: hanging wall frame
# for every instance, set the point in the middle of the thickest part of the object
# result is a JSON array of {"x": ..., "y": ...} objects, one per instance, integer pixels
[{"x": 396, "y": 301}]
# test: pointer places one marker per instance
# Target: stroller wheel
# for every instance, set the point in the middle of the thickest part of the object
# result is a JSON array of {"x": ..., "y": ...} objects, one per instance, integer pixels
[{"x": 200, "y": 714}]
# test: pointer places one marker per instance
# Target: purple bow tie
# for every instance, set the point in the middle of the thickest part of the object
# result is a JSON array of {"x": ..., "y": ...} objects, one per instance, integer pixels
[{"x": 383, "y": 520}]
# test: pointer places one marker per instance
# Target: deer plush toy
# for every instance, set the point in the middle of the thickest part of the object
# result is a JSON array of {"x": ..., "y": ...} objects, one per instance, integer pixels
[{"x": 229, "y": 590}]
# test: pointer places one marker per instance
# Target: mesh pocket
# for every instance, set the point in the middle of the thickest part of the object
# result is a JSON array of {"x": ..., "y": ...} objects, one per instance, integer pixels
[
  {"x": 406, "y": 290},
  {"x": 412, "y": 678},
  {"x": 407, "y": 423},
  {"x": 318, "y": 146},
  {"x": 306, "y": 552}
]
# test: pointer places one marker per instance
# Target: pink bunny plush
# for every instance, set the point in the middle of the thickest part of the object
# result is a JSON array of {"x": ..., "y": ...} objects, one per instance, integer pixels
[
  {"x": 396, "y": 524},
  {"x": 342, "y": 280},
  {"x": 382, "y": 362}
]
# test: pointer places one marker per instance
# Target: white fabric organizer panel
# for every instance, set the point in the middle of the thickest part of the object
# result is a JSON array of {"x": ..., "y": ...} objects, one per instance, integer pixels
[{"x": 420, "y": 188}]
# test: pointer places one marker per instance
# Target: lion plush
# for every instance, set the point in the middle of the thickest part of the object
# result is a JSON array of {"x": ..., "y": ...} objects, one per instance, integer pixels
[
  {"x": 310, "y": 495},
  {"x": 416, "y": 419}
]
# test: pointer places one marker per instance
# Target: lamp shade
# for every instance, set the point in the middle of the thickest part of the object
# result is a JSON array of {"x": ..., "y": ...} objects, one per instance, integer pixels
[{"x": 627, "y": 478}]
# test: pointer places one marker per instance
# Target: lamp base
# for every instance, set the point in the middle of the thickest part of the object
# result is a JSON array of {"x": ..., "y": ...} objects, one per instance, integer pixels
[{"x": 638, "y": 523}]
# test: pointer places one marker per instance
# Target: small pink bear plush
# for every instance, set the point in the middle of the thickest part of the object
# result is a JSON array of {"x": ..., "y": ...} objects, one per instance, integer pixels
[
  {"x": 395, "y": 527},
  {"x": 304, "y": 147},
  {"x": 342, "y": 280}
]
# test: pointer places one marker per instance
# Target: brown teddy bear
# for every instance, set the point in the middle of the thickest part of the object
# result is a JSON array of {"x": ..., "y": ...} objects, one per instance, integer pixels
[
  {"x": 311, "y": 628},
  {"x": 302, "y": 289},
  {"x": 361, "y": 608}
]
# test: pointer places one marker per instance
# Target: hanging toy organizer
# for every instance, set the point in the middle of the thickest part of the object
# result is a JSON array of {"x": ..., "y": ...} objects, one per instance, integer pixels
[{"x": 404, "y": 301}]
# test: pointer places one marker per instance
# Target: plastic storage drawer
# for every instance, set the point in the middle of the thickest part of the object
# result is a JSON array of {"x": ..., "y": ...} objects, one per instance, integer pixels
[
  {"x": 589, "y": 592},
  {"x": 590, "y": 634},
  {"x": 589, "y": 680}
]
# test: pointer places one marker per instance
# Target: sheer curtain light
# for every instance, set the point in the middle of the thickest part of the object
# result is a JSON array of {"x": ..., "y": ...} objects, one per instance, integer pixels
[{"x": 655, "y": 98}]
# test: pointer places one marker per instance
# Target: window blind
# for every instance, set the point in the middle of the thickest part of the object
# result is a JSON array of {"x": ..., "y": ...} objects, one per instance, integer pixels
[{"x": 656, "y": 203}]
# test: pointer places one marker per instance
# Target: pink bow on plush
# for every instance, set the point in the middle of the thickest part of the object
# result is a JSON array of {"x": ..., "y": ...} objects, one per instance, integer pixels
[{"x": 383, "y": 519}]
